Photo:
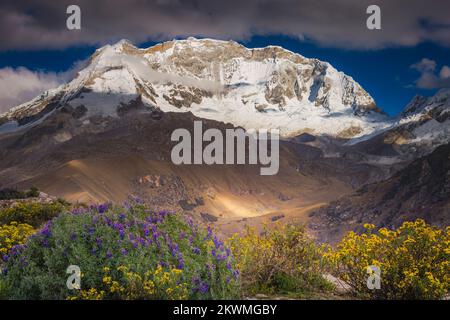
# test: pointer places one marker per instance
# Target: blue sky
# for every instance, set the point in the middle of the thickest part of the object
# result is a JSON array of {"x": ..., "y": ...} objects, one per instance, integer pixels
[
  {"x": 34, "y": 36},
  {"x": 385, "y": 73}
]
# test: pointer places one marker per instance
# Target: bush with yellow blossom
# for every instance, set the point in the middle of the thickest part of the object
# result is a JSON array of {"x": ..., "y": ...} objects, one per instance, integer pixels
[
  {"x": 414, "y": 261},
  {"x": 32, "y": 213},
  {"x": 125, "y": 284},
  {"x": 281, "y": 260},
  {"x": 13, "y": 234}
]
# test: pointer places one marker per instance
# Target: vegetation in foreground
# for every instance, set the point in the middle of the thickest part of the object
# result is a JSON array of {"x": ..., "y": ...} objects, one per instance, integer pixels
[
  {"x": 132, "y": 252},
  {"x": 414, "y": 261},
  {"x": 126, "y": 252},
  {"x": 283, "y": 261},
  {"x": 32, "y": 213},
  {"x": 12, "y": 194}
]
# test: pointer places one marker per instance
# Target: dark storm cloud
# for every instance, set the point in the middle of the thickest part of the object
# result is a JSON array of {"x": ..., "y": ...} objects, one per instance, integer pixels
[{"x": 30, "y": 24}]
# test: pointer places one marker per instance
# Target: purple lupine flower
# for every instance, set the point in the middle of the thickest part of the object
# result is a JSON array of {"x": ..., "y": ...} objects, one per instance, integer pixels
[
  {"x": 141, "y": 241},
  {"x": 99, "y": 241},
  {"x": 196, "y": 250},
  {"x": 122, "y": 216},
  {"x": 78, "y": 211},
  {"x": 163, "y": 213},
  {"x": 220, "y": 257},
  {"x": 139, "y": 200},
  {"x": 109, "y": 254},
  {"x": 203, "y": 288},
  {"x": 180, "y": 263},
  {"x": 117, "y": 226},
  {"x": 46, "y": 230},
  {"x": 102, "y": 208},
  {"x": 73, "y": 236},
  {"x": 108, "y": 222},
  {"x": 229, "y": 265},
  {"x": 213, "y": 252},
  {"x": 124, "y": 252},
  {"x": 15, "y": 250},
  {"x": 121, "y": 234},
  {"x": 136, "y": 199},
  {"x": 217, "y": 242},
  {"x": 189, "y": 221},
  {"x": 209, "y": 234}
]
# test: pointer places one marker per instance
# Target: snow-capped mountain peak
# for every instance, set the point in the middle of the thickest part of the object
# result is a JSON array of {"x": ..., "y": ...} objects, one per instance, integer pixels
[
  {"x": 221, "y": 80},
  {"x": 428, "y": 119}
]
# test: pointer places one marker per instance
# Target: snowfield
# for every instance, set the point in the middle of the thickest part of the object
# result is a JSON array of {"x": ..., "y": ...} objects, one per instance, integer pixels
[{"x": 269, "y": 88}]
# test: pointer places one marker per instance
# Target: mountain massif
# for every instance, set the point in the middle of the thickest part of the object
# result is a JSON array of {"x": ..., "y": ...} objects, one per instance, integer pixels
[{"x": 106, "y": 134}]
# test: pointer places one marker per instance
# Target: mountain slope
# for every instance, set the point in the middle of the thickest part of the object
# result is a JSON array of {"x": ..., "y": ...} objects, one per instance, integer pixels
[
  {"x": 418, "y": 130},
  {"x": 106, "y": 134},
  {"x": 420, "y": 190},
  {"x": 131, "y": 155}
]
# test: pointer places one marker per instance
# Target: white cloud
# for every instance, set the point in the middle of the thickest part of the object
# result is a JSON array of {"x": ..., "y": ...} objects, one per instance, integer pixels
[
  {"x": 425, "y": 65},
  {"x": 428, "y": 78},
  {"x": 445, "y": 72},
  {"x": 19, "y": 85}
]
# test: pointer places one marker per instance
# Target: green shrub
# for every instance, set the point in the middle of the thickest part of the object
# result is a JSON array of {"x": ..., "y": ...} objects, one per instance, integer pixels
[
  {"x": 123, "y": 253},
  {"x": 32, "y": 193},
  {"x": 8, "y": 194},
  {"x": 11, "y": 194},
  {"x": 283, "y": 260},
  {"x": 414, "y": 261},
  {"x": 32, "y": 213},
  {"x": 13, "y": 234}
]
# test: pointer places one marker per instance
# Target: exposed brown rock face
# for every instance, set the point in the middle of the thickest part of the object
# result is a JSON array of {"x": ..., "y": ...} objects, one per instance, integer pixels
[{"x": 420, "y": 190}]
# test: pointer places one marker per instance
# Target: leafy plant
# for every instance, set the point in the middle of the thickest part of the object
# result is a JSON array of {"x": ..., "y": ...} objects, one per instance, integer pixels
[
  {"x": 32, "y": 213},
  {"x": 126, "y": 252},
  {"x": 13, "y": 234},
  {"x": 414, "y": 261},
  {"x": 282, "y": 260},
  {"x": 11, "y": 194}
]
